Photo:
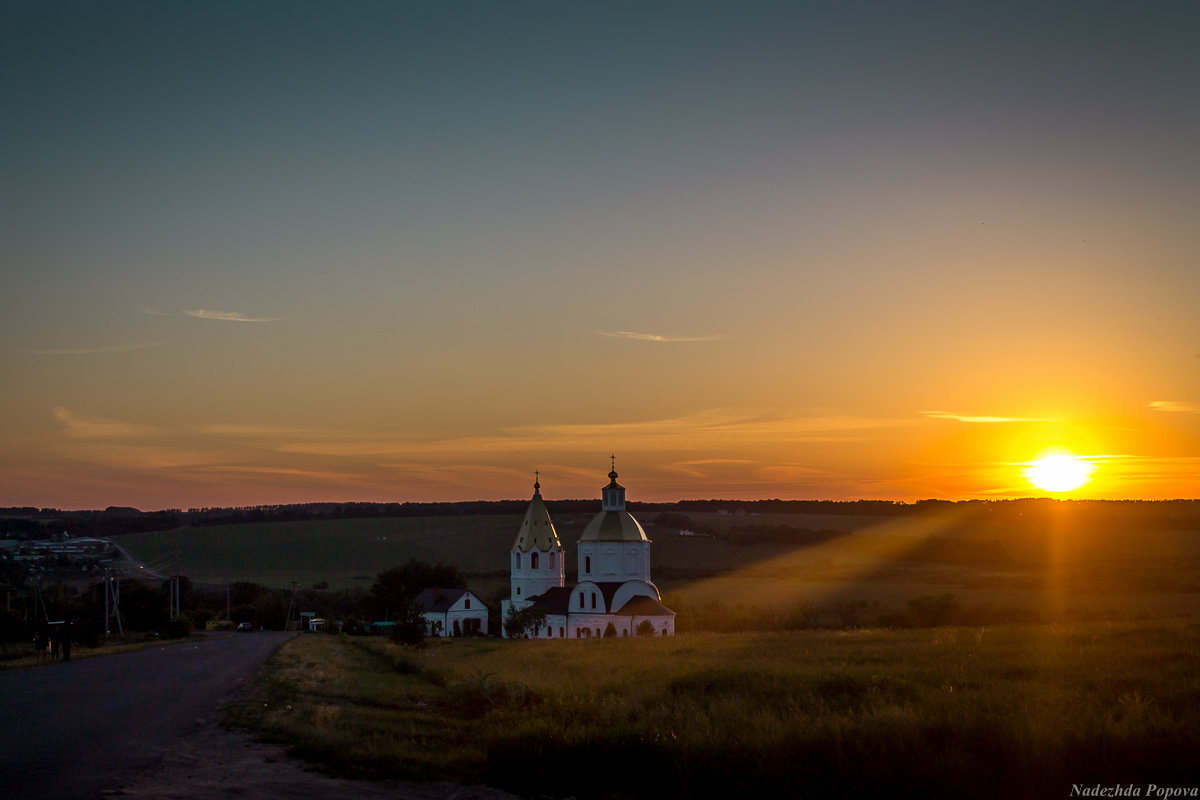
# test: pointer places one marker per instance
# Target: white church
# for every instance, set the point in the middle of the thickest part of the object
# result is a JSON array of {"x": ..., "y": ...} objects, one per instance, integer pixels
[{"x": 614, "y": 586}]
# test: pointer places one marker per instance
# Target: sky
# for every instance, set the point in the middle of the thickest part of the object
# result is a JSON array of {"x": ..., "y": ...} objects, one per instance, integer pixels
[{"x": 277, "y": 252}]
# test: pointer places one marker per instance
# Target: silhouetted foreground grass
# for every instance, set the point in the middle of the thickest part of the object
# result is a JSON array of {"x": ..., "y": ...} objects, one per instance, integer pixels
[{"x": 1014, "y": 711}]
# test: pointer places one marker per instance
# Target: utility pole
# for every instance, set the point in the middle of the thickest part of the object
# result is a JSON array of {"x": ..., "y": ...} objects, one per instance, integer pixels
[
  {"x": 287, "y": 625},
  {"x": 112, "y": 591}
]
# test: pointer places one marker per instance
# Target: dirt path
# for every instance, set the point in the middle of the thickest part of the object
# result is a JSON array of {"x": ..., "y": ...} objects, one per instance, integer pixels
[{"x": 215, "y": 764}]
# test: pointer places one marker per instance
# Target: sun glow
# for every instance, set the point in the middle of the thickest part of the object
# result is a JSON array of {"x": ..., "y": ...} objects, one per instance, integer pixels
[{"x": 1059, "y": 471}]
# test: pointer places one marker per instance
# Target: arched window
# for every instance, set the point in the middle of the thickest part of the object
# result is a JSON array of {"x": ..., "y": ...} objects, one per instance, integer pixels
[
  {"x": 581, "y": 600},
  {"x": 518, "y": 557},
  {"x": 533, "y": 560},
  {"x": 466, "y": 602},
  {"x": 587, "y": 565},
  {"x": 593, "y": 599}
]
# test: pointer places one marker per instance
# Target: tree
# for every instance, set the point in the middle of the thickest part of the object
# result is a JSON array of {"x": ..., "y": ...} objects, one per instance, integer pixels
[
  {"x": 396, "y": 588},
  {"x": 524, "y": 623},
  {"x": 646, "y": 628},
  {"x": 610, "y": 631},
  {"x": 393, "y": 596},
  {"x": 410, "y": 623}
]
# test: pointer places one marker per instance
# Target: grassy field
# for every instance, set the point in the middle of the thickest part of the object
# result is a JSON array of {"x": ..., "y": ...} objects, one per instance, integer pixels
[
  {"x": 1055, "y": 561},
  {"x": 344, "y": 553},
  {"x": 1008, "y": 711}
]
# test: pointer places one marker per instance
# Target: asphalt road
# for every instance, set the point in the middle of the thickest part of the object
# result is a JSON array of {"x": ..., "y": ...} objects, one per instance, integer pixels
[{"x": 73, "y": 730}]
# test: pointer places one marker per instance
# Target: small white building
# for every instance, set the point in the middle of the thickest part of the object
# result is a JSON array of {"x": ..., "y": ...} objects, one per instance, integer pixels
[{"x": 453, "y": 612}]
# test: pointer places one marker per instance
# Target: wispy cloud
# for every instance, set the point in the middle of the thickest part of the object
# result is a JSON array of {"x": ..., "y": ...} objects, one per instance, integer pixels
[
  {"x": 979, "y": 418},
  {"x": 654, "y": 337},
  {"x": 268, "y": 472},
  {"x": 228, "y": 316},
  {"x": 87, "y": 351},
  {"x": 248, "y": 430},
  {"x": 713, "y": 428},
  {"x": 77, "y": 426},
  {"x": 694, "y": 468},
  {"x": 1175, "y": 406}
]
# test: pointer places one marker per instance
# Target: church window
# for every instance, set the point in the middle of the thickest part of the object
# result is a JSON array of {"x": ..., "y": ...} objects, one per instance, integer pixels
[
  {"x": 467, "y": 603},
  {"x": 551, "y": 560},
  {"x": 581, "y": 600},
  {"x": 533, "y": 561},
  {"x": 587, "y": 565},
  {"x": 518, "y": 590},
  {"x": 593, "y": 599},
  {"x": 561, "y": 633},
  {"x": 518, "y": 557}
]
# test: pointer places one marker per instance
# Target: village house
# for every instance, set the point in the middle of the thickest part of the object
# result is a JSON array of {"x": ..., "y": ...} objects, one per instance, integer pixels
[{"x": 453, "y": 612}]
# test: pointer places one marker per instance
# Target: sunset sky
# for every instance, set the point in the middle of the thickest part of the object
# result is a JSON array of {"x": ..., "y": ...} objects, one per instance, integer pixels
[{"x": 274, "y": 252}]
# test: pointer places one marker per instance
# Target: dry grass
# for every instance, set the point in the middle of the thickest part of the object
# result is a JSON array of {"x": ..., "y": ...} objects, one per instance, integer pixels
[{"x": 1007, "y": 711}]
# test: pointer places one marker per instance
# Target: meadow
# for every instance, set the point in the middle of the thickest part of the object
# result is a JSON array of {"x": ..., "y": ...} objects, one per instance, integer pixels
[
  {"x": 1018, "y": 561},
  {"x": 1005, "y": 711}
]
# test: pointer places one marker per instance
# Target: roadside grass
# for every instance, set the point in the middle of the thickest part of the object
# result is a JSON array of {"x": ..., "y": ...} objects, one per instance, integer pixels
[
  {"x": 1022, "y": 710},
  {"x": 23, "y": 655}
]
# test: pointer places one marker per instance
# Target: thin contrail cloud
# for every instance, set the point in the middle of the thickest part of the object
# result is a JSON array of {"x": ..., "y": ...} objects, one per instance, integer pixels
[
  {"x": 227, "y": 316},
  {"x": 654, "y": 337}
]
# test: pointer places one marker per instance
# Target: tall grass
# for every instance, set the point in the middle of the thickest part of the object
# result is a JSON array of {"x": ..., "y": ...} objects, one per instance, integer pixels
[{"x": 1008, "y": 711}]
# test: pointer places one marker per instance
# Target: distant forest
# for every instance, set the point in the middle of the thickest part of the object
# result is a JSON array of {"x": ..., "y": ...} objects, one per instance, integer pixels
[{"x": 31, "y": 523}]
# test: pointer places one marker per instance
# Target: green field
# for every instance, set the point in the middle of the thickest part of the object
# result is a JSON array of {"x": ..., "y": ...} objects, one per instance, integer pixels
[
  {"x": 1011, "y": 711},
  {"x": 1011, "y": 563},
  {"x": 344, "y": 553}
]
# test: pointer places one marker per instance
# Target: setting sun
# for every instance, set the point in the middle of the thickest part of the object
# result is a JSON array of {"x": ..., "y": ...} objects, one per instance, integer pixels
[{"x": 1058, "y": 471}]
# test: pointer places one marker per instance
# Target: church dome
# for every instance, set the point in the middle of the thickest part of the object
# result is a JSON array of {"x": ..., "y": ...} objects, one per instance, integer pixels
[
  {"x": 614, "y": 526},
  {"x": 613, "y": 523}
]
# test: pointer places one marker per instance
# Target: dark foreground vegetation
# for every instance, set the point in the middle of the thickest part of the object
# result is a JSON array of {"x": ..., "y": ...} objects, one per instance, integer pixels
[
  {"x": 1010, "y": 711},
  {"x": 45, "y": 610}
]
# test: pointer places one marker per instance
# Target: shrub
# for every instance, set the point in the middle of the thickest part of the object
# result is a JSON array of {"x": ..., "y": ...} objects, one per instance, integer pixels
[
  {"x": 179, "y": 627},
  {"x": 523, "y": 623}
]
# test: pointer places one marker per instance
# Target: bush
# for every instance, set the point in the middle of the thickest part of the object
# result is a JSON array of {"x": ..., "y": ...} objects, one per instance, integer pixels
[
  {"x": 524, "y": 623},
  {"x": 179, "y": 628}
]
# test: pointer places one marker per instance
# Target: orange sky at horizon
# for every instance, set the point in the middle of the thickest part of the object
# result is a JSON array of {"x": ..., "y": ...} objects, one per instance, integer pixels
[{"x": 256, "y": 255}]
